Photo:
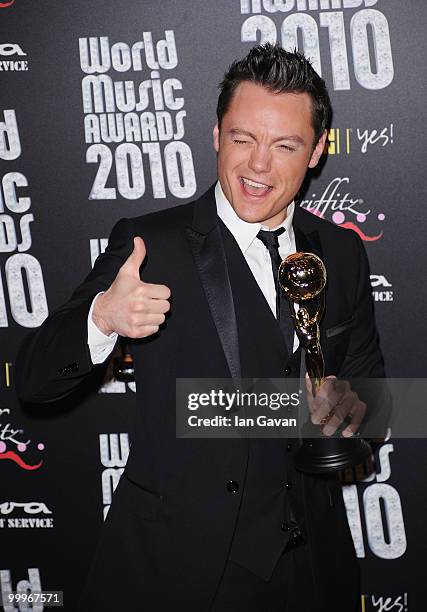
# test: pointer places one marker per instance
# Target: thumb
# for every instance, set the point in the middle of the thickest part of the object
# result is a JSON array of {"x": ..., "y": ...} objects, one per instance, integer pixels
[
  {"x": 308, "y": 383},
  {"x": 136, "y": 258}
]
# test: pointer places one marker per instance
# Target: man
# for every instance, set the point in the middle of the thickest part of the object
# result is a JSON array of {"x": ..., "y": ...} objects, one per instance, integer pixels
[{"x": 222, "y": 524}]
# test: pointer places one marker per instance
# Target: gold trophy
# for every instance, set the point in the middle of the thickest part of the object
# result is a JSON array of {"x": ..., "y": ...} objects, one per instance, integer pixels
[{"x": 302, "y": 277}]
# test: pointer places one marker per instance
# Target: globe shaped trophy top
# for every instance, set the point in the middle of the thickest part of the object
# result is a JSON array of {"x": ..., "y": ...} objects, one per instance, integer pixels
[{"x": 302, "y": 276}]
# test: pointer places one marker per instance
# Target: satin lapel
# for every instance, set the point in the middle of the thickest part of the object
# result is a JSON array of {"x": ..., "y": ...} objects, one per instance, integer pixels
[{"x": 208, "y": 250}]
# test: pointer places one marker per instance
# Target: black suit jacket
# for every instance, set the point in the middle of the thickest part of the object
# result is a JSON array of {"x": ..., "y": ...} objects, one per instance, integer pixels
[{"x": 170, "y": 527}]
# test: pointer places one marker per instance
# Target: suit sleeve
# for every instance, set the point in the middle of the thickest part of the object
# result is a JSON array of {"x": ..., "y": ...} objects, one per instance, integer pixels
[
  {"x": 364, "y": 357},
  {"x": 55, "y": 359},
  {"x": 363, "y": 364}
]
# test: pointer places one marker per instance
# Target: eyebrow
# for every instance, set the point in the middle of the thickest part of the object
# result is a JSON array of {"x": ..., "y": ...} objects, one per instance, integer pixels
[{"x": 291, "y": 137}]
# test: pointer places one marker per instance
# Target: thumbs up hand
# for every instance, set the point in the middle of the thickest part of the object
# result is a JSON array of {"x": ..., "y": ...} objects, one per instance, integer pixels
[{"x": 130, "y": 307}]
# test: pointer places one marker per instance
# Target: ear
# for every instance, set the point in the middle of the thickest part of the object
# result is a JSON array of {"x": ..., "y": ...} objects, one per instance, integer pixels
[
  {"x": 318, "y": 150},
  {"x": 216, "y": 138}
]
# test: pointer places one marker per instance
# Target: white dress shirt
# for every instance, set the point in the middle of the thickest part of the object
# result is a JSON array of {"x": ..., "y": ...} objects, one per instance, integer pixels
[
  {"x": 254, "y": 251},
  {"x": 100, "y": 345}
]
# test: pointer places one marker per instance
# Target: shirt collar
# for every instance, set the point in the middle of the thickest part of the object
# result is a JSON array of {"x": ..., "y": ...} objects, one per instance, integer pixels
[{"x": 244, "y": 232}]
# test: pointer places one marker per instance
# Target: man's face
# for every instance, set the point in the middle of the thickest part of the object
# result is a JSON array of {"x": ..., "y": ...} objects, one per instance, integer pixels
[{"x": 264, "y": 148}]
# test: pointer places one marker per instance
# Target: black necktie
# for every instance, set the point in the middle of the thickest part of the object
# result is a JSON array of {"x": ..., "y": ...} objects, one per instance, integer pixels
[{"x": 271, "y": 241}]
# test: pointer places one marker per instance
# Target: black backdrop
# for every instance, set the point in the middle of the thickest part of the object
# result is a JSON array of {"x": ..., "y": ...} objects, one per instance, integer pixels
[{"x": 95, "y": 127}]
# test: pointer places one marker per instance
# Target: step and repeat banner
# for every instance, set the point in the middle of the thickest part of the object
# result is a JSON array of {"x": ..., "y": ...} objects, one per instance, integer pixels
[{"x": 106, "y": 111}]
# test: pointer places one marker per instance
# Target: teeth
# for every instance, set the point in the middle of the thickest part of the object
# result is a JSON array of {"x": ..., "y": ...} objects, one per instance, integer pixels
[{"x": 254, "y": 184}]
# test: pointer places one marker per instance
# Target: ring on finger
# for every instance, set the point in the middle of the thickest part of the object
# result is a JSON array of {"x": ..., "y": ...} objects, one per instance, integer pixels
[{"x": 327, "y": 417}]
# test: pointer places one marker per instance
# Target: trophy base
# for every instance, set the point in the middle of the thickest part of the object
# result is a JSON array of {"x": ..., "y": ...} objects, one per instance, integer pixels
[{"x": 331, "y": 455}]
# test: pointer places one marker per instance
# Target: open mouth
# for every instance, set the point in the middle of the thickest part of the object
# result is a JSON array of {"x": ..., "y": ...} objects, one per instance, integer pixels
[{"x": 253, "y": 188}]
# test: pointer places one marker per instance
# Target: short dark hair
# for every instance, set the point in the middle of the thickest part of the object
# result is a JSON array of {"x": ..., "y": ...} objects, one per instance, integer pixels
[{"x": 280, "y": 71}]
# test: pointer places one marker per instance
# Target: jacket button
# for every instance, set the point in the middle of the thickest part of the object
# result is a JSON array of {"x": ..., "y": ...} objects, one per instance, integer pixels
[
  {"x": 232, "y": 486},
  {"x": 285, "y": 527},
  {"x": 289, "y": 446},
  {"x": 287, "y": 371},
  {"x": 288, "y": 485}
]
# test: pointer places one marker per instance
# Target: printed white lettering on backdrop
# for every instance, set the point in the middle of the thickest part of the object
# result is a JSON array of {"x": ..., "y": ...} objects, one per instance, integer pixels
[
  {"x": 384, "y": 603},
  {"x": 382, "y": 512},
  {"x": 382, "y": 289},
  {"x": 26, "y": 587},
  {"x": 22, "y": 271},
  {"x": 27, "y": 507},
  {"x": 367, "y": 32},
  {"x": 135, "y": 127},
  {"x": 381, "y": 138},
  {"x": 8, "y": 50},
  {"x": 11, "y": 49},
  {"x": 114, "y": 452}
]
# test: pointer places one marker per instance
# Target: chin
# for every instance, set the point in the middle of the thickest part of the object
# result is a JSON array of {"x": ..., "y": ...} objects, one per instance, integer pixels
[
  {"x": 248, "y": 216},
  {"x": 251, "y": 214}
]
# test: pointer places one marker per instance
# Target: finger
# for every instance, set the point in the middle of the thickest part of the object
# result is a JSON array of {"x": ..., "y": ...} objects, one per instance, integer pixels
[
  {"x": 331, "y": 394},
  {"x": 159, "y": 306},
  {"x": 141, "y": 331},
  {"x": 135, "y": 259},
  {"x": 152, "y": 319},
  {"x": 341, "y": 389},
  {"x": 319, "y": 405},
  {"x": 309, "y": 396},
  {"x": 323, "y": 404},
  {"x": 340, "y": 413},
  {"x": 357, "y": 417},
  {"x": 308, "y": 384},
  {"x": 333, "y": 423},
  {"x": 158, "y": 292},
  {"x": 139, "y": 320},
  {"x": 150, "y": 306},
  {"x": 325, "y": 382},
  {"x": 333, "y": 390}
]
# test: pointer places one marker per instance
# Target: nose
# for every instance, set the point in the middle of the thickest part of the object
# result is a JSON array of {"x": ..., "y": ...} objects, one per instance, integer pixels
[{"x": 260, "y": 159}]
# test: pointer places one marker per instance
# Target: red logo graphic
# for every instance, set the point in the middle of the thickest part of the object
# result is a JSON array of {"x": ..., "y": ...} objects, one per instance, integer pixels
[
  {"x": 6, "y": 4},
  {"x": 17, "y": 459},
  {"x": 355, "y": 228}
]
